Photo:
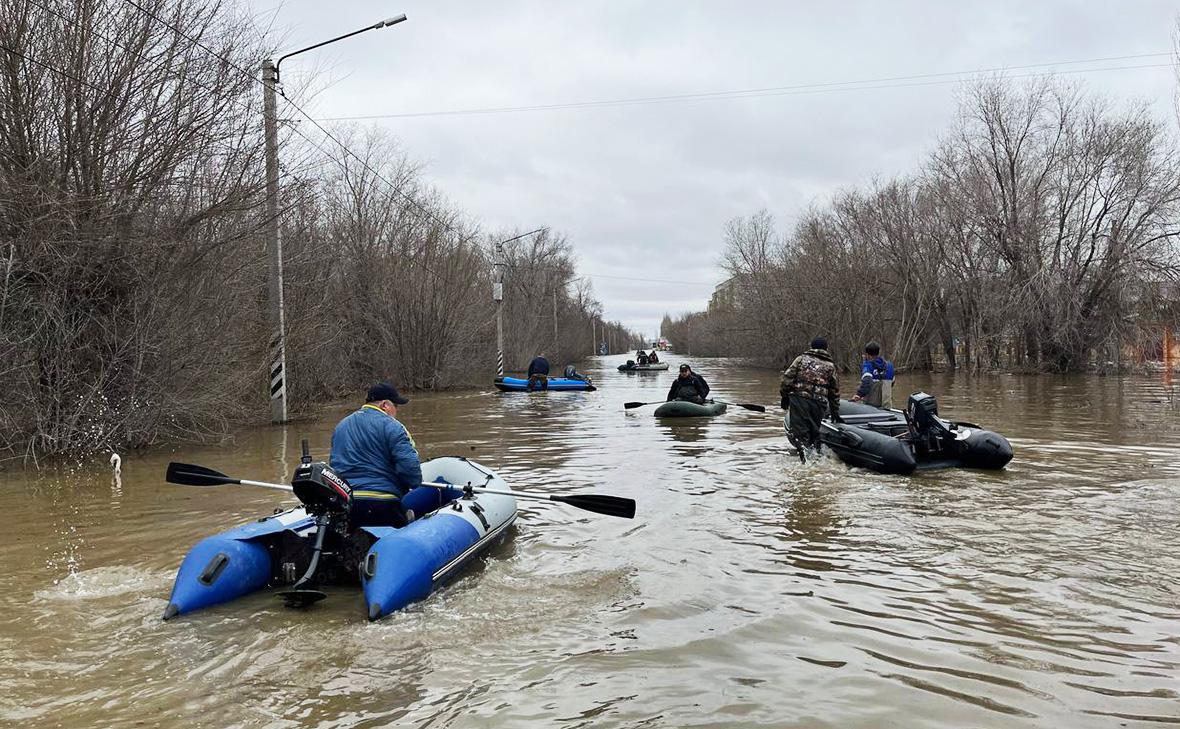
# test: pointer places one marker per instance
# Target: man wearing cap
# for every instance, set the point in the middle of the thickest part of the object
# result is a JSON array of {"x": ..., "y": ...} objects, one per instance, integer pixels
[
  {"x": 374, "y": 452},
  {"x": 689, "y": 386},
  {"x": 809, "y": 388}
]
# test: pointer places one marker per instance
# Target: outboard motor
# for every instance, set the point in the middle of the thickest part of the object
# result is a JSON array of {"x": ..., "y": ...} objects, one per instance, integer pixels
[
  {"x": 927, "y": 431},
  {"x": 320, "y": 489},
  {"x": 327, "y": 497}
]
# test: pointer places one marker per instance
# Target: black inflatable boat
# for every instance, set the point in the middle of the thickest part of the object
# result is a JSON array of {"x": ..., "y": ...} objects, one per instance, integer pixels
[{"x": 902, "y": 441}]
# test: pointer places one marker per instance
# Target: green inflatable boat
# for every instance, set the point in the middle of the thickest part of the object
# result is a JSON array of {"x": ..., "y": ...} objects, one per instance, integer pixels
[{"x": 686, "y": 409}]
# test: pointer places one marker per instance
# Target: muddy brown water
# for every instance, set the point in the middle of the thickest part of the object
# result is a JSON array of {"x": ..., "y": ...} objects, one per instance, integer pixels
[{"x": 750, "y": 591}]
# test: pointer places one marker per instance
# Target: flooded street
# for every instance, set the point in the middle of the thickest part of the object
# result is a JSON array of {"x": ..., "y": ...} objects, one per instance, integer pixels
[{"x": 750, "y": 590}]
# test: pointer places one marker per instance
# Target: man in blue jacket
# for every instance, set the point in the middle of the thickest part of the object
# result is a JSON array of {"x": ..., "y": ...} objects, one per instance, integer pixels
[
  {"x": 375, "y": 454},
  {"x": 539, "y": 365},
  {"x": 876, "y": 378}
]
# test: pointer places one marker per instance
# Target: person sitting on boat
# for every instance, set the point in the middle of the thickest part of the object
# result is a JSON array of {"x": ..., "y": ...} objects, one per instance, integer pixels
[
  {"x": 641, "y": 357},
  {"x": 808, "y": 389},
  {"x": 539, "y": 373},
  {"x": 689, "y": 386},
  {"x": 653, "y": 358},
  {"x": 539, "y": 365},
  {"x": 876, "y": 379},
  {"x": 375, "y": 454}
]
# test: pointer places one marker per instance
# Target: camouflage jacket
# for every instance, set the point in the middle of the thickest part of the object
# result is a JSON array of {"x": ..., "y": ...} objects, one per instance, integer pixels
[{"x": 813, "y": 375}]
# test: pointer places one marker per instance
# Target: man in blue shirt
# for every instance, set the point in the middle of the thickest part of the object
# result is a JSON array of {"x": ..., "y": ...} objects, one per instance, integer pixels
[
  {"x": 375, "y": 454},
  {"x": 876, "y": 378}
]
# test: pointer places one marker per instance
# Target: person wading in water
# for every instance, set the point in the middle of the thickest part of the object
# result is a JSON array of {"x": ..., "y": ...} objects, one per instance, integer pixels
[{"x": 809, "y": 390}]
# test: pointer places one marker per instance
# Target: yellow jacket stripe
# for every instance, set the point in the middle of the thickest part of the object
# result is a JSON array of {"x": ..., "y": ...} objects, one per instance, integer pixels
[{"x": 375, "y": 495}]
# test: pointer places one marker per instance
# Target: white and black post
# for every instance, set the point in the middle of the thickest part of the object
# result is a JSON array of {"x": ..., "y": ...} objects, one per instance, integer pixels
[
  {"x": 498, "y": 297},
  {"x": 274, "y": 251}
]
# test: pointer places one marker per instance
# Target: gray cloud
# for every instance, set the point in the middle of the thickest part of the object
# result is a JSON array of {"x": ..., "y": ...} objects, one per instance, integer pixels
[{"x": 644, "y": 190}]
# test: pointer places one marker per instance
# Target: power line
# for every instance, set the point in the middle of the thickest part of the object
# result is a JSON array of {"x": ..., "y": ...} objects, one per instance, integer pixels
[
  {"x": 649, "y": 280},
  {"x": 799, "y": 89},
  {"x": 49, "y": 68},
  {"x": 397, "y": 191}
]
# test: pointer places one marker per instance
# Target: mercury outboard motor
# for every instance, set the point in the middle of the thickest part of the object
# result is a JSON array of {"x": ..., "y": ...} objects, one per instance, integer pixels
[
  {"x": 927, "y": 431},
  {"x": 320, "y": 489},
  {"x": 327, "y": 497}
]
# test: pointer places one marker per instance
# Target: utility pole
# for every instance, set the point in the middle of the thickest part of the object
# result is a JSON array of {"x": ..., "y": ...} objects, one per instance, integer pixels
[
  {"x": 498, "y": 297},
  {"x": 274, "y": 243},
  {"x": 274, "y": 251}
]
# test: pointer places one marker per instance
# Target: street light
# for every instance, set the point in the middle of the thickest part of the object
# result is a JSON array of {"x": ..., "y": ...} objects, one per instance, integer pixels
[
  {"x": 274, "y": 246},
  {"x": 498, "y": 296}
]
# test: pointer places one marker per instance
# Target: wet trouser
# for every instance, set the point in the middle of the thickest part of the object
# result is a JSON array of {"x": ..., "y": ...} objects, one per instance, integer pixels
[{"x": 803, "y": 420}]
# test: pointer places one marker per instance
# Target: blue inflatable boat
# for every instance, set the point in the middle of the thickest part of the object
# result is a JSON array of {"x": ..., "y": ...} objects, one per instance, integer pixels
[
  {"x": 394, "y": 566},
  {"x": 540, "y": 384}
]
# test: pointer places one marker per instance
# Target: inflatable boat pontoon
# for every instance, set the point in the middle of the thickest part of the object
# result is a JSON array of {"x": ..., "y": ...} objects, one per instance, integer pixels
[
  {"x": 312, "y": 546},
  {"x": 900, "y": 442}
]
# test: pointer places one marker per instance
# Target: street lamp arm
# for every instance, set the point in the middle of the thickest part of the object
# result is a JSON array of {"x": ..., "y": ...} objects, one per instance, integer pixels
[
  {"x": 375, "y": 26},
  {"x": 522, "y": 235}
]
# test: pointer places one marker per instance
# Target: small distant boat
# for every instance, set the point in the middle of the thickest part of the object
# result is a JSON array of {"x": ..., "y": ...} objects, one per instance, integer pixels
[
  {"x": 517, "y": 384},
  {"x": 630, "y": 366},
  {"x": 686, "y": 409}
]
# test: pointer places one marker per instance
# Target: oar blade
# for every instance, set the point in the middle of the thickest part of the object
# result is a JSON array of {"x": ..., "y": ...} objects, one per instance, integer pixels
[
  {"x": 188, "y": 474},
  {"x": 752, "y": 406},
  {"x": 633, "y": 405},
  {"x": 600, "y": 504}
]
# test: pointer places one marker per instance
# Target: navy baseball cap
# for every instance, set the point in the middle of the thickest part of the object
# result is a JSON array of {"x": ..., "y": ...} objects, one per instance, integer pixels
[{"x": 385, "y": 391}]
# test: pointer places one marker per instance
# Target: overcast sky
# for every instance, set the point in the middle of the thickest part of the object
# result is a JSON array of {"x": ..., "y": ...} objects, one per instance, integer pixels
[{"x": 643, "y": 189}]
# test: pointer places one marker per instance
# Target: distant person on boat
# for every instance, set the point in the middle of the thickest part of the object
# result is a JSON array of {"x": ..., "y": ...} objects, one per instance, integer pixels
[
  {"x": 539, "y": 365},
  {"x": 689, "y": 386},
  {"x": 809, "y": 391},
  {"x": 539, "y": 373},
  {"x": 653, "y": 358},
  {"x": 641, "y": 357},
  {"x": 876, "y": 379},
  {"x": 375, "y": 454}
]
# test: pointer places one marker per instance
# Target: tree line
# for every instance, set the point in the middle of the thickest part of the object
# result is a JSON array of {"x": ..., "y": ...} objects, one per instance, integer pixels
[
  {"x": 1040, "y": 234},
  {"x": 132, "y": 268}
]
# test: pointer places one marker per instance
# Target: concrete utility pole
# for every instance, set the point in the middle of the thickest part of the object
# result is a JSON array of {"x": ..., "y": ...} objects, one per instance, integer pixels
[
  {"x": 498, "y": 297},
  {"x": 274, "y": 251},
  {"x": 274, "y": 244}
]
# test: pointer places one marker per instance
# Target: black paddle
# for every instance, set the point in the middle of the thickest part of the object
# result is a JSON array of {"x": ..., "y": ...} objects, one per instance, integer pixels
[
  {"x": 189, "y": 475},
  {"x": 746, "y": 405}
]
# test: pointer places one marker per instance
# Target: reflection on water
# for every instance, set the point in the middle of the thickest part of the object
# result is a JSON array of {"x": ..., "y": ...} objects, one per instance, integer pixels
[{"x": 751, "y": 590}]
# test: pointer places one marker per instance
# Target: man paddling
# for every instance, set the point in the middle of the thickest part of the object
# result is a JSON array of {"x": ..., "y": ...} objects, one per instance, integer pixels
[
  {"x": 375, "y": 454},
  {"x": 808, "y": 388},
  {"x": 689, "y": 386}
]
